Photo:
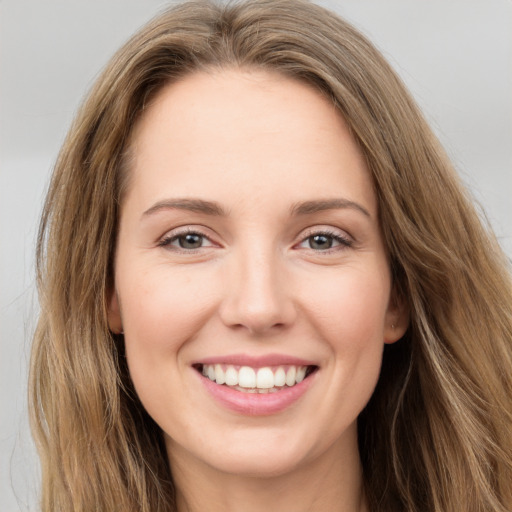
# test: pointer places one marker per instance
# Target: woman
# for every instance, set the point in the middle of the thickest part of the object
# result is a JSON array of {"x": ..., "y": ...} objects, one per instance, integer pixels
[{"x": 262, "y": 284}]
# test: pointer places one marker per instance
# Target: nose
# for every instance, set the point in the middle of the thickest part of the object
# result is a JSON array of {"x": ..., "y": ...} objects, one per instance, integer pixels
[{"x": 257, "y": 295}]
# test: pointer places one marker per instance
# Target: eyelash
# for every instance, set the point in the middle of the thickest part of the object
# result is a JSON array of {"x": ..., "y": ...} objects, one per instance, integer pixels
[
  {"x": 168, "y": 240},
  {"x": 343, "y": 241}
]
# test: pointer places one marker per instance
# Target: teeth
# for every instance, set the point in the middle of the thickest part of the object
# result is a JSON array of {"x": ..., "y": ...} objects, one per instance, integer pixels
[
  {"x": 265, "y": 378},
  {"x": 231, "y": 376},
  {"x": 246, "y": 377},
  {"x": 220, "y": 378},
  {"x": 301, "y": 373},
  {"x": 290, "y": 376},
  {"x": 251, "y": 380},
  {"x": 280, "y": 377}
]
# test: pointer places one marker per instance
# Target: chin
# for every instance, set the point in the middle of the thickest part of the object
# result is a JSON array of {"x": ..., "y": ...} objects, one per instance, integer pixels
[
  {"x": 259, "y": 466},
  {"x": 276, "y": 456},
  {"x": 263, "y": 453}
]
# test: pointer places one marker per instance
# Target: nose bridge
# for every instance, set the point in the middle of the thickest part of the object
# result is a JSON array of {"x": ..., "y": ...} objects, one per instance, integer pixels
[{"x": 256, "y": 296}]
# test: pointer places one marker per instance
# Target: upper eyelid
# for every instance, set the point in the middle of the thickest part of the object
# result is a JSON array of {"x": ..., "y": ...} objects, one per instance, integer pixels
[
  {"x": 180, "y": 230},
  {"x": 175, "y": 233},
  {"x": 344, "y": 239},
  {"x": 326, "y": 230}
]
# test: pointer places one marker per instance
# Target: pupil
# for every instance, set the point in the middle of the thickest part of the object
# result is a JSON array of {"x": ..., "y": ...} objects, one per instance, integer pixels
[
  {"x": 190, "y": 241},
  {"x": 320, "y": 242}
]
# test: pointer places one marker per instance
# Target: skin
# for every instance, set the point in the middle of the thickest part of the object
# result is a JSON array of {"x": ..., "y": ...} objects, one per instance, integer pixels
[{"x": 257, "y": 145}]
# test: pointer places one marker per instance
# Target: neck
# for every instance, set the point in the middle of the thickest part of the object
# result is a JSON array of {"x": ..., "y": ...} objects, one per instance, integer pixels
[{"x": 330, "y": 483}]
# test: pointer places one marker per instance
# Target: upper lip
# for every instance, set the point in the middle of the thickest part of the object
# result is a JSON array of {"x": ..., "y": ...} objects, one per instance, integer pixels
[{"x": 256, "y": 361}]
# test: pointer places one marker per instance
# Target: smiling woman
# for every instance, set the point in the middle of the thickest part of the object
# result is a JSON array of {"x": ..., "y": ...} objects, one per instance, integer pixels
[
  {"x": 248, "y": 269},
  {"x": 262, "y": 285}
]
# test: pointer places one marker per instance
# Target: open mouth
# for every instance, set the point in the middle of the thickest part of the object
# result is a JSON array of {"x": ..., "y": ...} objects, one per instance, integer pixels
[{"x": 267, "y": 379}]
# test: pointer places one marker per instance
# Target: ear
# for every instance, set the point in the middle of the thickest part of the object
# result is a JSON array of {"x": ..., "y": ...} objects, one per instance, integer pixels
[
  {"x": 115, "y": 323},
  {"x": 397, "y": 319}
]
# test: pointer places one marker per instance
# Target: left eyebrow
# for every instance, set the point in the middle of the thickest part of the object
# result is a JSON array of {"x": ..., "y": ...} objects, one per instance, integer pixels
[
  {"x": 192, "y": 205},
  {"x": 309, "y": 207}
]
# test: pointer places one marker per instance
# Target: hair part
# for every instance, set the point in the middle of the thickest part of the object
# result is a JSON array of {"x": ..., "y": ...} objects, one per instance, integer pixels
[{"x": 436, "y": 433}]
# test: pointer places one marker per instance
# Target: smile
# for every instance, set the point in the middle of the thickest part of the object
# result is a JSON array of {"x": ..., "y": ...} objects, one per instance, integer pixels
[
  {"x": 267, "y": 379},
  {"x": 256, "y": 385}
]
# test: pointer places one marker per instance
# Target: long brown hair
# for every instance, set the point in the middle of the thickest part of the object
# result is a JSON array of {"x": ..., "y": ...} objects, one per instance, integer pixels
[{"x": 436, "y": 434}]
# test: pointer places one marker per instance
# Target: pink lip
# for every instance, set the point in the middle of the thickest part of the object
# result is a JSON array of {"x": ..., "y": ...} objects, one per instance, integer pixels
[
  {"x": 256, "y": 361},
  {"x": 254, "y": 404}
]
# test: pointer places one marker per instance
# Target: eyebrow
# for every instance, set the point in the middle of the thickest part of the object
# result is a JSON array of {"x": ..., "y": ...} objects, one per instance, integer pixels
[
  {"x": 192, "y": 205},
  {"x": 215, "y": 209},
  {"x": 309, "y": 207}
]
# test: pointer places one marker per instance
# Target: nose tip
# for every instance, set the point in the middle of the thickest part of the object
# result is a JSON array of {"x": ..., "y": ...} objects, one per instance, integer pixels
[
  {"x": 259, "y": 317},
  {"x": 257, "y": 300}
]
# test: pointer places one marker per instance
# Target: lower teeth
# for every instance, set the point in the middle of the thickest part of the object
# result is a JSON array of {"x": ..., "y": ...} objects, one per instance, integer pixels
[{"x": 255, "y": 390}]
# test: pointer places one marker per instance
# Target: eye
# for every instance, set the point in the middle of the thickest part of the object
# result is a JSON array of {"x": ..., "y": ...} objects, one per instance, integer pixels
[
  {"x": 188, "y": 240},
  {"x": 323, "y": 241}
]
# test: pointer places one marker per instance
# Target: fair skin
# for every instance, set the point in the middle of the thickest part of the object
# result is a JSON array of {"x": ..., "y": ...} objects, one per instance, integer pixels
[{"x": 249, "y": 237}]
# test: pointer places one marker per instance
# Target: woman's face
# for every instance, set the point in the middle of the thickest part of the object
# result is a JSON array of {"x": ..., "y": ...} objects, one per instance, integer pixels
[{"x": 249, "y": 249}]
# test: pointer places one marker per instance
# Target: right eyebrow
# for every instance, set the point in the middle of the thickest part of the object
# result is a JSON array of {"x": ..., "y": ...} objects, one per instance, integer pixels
[
  {"x": 192, "y": 205},
  {"x": 309, "y": 207}
]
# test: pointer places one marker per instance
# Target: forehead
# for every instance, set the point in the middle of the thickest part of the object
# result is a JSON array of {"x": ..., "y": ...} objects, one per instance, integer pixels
[{"x": 245, "y": 129}]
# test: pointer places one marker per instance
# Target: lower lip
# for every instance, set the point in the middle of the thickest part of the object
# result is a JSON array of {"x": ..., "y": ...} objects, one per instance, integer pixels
[{"x": 256, "y": 404}]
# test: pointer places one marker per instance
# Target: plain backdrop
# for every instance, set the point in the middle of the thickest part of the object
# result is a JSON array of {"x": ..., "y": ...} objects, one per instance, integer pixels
[{"x": 455, "y": 56}]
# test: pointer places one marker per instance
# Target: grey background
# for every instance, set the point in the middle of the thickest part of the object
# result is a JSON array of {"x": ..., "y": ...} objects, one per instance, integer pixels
[{"x": 455, "y": 55}]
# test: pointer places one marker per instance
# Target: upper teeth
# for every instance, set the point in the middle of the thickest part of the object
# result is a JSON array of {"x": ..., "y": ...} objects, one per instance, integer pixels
[{"x": 261, "y": 378}]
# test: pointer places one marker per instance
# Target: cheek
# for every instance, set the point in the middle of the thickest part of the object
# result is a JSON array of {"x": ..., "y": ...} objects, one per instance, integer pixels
[
  {"x": 350, "y": 308},
  {"x": 162, "y": 310}
]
